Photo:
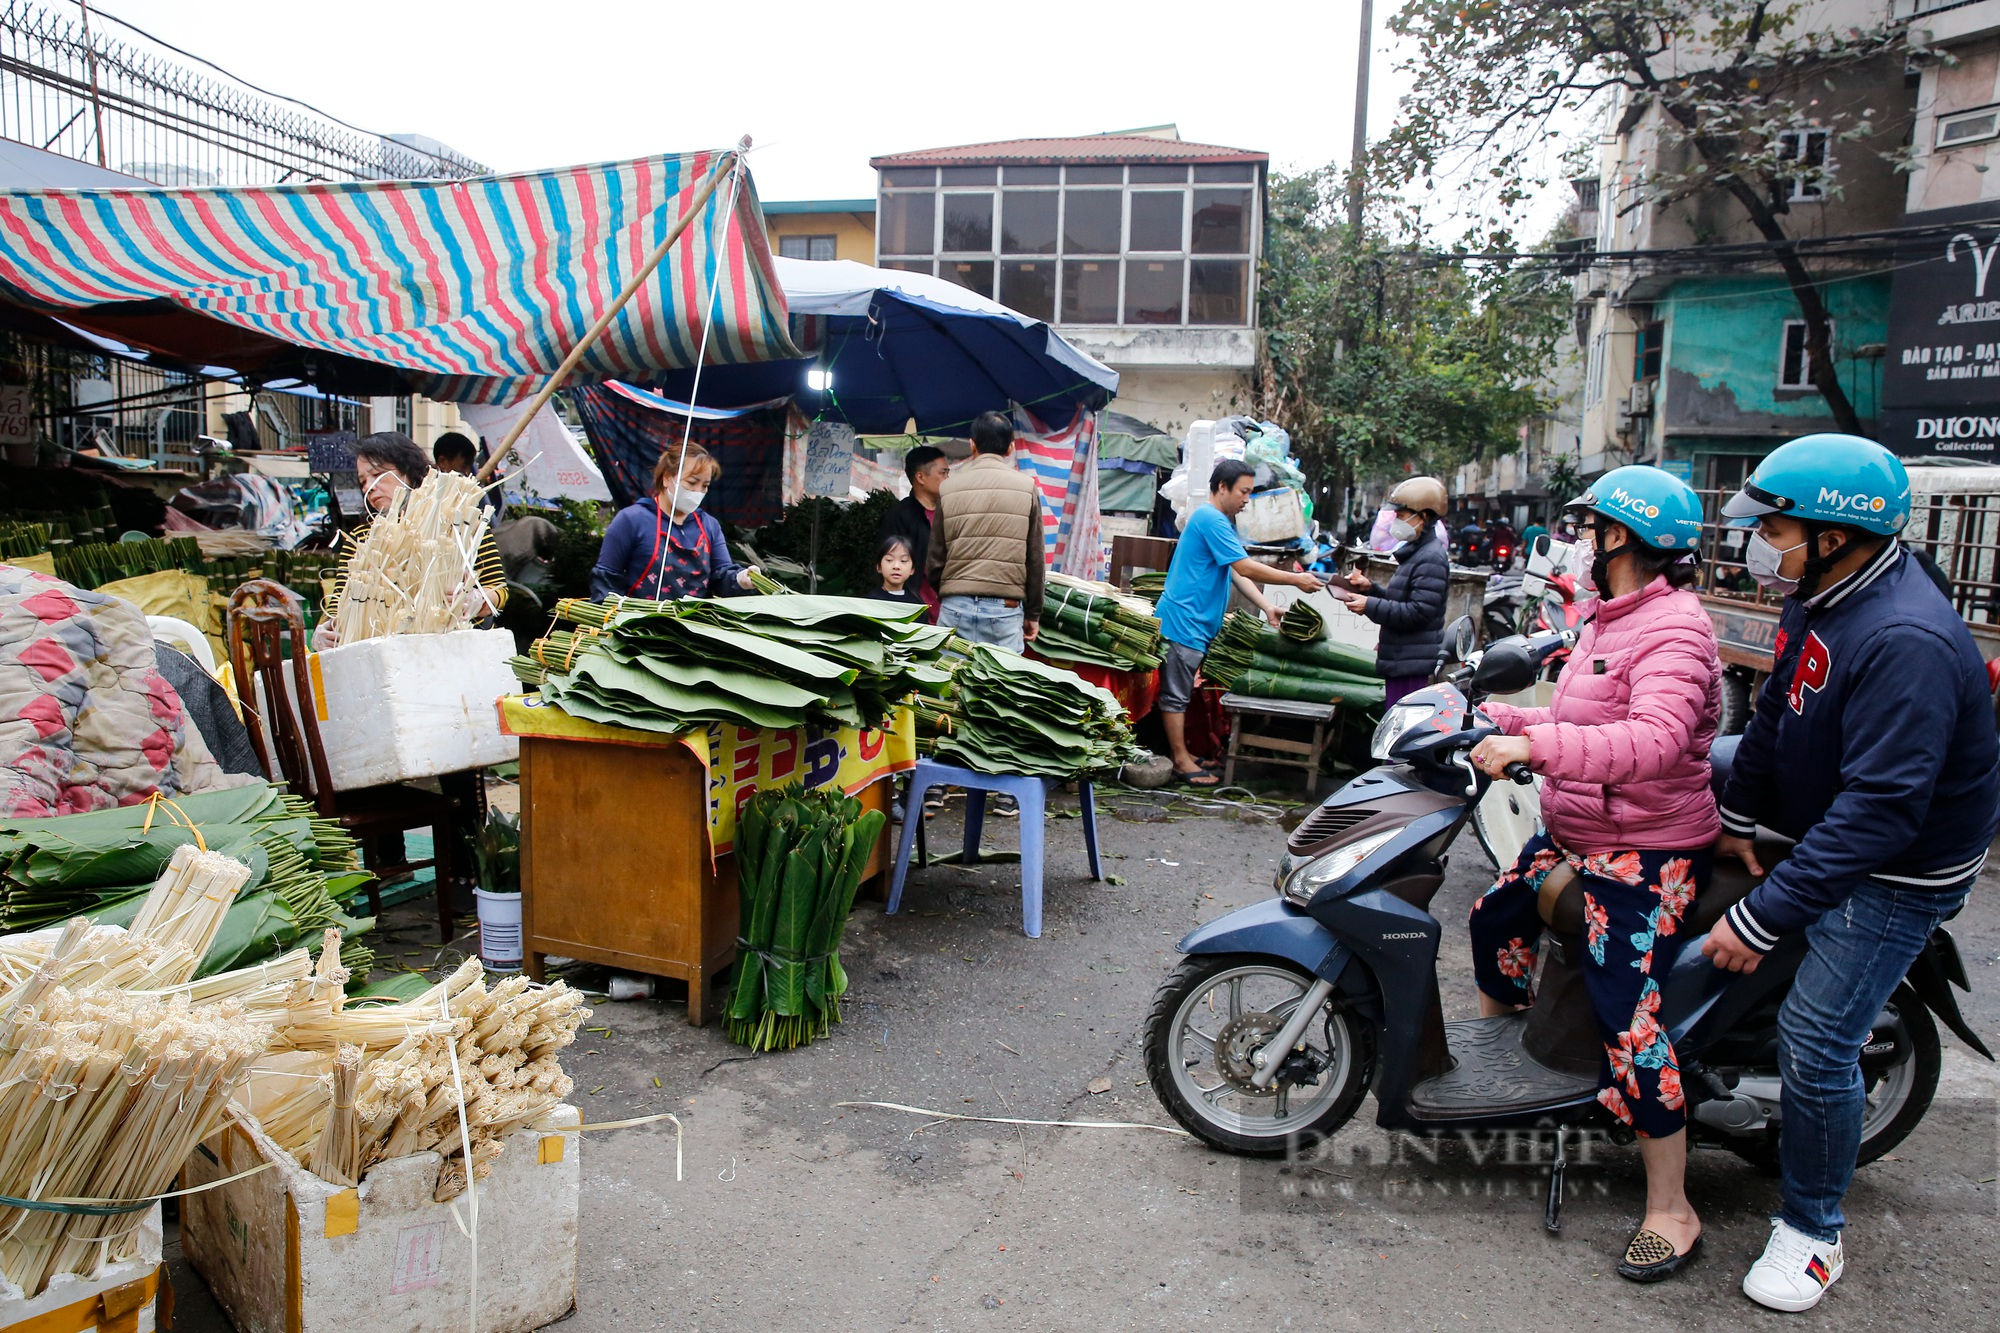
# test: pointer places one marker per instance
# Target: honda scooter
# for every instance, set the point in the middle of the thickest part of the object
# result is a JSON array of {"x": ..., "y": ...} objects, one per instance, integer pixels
[{"x": 1285, "y": 1014}]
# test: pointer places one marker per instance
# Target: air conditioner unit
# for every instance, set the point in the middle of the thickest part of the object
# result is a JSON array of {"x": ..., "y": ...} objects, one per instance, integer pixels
[{"x": 1639, "y": 399}]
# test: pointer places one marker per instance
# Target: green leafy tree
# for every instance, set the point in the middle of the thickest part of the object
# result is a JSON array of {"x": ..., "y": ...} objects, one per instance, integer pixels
[
  {"x": 1727, "y": 85},
  {"x": 1378, "y": 355}
]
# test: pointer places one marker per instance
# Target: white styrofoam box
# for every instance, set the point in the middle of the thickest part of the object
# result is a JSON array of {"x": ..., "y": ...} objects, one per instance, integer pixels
[
  {"x": 396, "y": 1261},
  {"x": 67, "y": 1289},
  {"x": 1272, "y": 516},
  {"x": 413, "y": 705}
]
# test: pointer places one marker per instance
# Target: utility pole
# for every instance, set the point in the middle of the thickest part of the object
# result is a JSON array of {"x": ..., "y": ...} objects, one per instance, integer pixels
[
  {"x": 1355, "y": 175},
  {"x": 96, "y": 98}
]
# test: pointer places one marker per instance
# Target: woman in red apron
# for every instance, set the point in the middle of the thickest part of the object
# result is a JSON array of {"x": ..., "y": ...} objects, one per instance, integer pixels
[{"x": 664, "y": 546}]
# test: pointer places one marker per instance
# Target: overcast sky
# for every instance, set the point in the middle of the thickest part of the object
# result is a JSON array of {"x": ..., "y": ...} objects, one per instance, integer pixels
[{"x": 819, "y": 87}]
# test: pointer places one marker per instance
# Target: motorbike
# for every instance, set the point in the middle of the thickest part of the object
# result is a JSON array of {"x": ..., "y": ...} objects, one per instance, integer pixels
[{"x": 1284, "y": 1015}]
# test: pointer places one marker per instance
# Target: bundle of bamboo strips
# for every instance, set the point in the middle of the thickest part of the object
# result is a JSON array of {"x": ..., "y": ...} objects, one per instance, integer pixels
[
  {"x": 103, "y": 1093},
  {"x": 417, "y": 569},
  {"x": 405, "y": 1093}
]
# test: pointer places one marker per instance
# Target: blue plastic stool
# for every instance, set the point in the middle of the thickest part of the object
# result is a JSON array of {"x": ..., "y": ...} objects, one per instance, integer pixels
[{"x": 1031, "y": 792}]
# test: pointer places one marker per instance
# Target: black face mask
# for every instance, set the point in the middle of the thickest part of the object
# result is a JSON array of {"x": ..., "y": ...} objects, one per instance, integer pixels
[{"x": 1600, "y": 565}]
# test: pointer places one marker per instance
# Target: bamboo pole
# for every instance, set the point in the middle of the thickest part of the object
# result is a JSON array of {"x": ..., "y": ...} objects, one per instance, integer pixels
[{"x": 722, "y": 168}]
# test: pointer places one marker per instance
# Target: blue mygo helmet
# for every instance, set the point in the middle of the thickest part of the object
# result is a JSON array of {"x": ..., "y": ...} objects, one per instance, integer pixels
[
  {"x": 1662, "y": 510},
  {"x": 1827, "y": 479}
]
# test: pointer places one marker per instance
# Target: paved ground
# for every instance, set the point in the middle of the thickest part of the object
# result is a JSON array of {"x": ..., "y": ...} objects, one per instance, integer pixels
[{"x": 797, "y": 1211}]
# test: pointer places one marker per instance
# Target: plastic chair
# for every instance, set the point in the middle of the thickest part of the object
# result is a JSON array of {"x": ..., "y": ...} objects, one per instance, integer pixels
[
  {"x": 177, "y": 633},
  {"x": 1031, "y": 792}
]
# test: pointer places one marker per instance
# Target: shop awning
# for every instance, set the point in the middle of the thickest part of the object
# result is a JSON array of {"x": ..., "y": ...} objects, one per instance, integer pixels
[{"x": 468, "y": 291}]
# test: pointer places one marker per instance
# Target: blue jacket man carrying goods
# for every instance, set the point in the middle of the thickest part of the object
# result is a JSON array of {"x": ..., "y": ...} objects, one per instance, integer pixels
[
  {"x": 1873, "y": 745},
  {"x": 1208, "y": 557}
]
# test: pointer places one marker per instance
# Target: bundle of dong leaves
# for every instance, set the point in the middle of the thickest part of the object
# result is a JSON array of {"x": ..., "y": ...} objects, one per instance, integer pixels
[
  {"x": 101, "y": 865},
  {"x": 771, "y": 662},
  {"x": 1091, "y": 623},
  {"x": 1007, "y": 714},
  {"x": 1249, "y": 657},
  {"x": 799, "y": 857}
]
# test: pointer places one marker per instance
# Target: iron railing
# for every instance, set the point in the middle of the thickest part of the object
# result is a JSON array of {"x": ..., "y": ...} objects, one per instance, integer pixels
[{"x": 76, "y": 91}]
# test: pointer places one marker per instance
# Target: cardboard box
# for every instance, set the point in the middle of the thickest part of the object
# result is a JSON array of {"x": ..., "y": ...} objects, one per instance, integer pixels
[
  {"x": 285, "y": 1252},
  {"x": 118, "y": 1300}
]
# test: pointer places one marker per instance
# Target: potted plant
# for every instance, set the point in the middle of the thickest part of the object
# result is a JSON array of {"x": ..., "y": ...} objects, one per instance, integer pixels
[{"x": 498, "y": 848}]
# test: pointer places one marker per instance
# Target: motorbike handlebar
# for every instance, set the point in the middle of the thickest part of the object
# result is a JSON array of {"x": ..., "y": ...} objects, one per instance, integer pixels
[{"x": 1520, "y": 773}]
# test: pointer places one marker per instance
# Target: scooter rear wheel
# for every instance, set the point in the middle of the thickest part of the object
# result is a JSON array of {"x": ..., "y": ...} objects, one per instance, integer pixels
[{"x": 1210, "y": 1014}]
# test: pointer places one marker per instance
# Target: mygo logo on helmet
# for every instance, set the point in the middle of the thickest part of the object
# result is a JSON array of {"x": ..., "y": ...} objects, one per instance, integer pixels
[
  {"x": 1855, "y": 503},
  {"x": 1636, "y": 504}
]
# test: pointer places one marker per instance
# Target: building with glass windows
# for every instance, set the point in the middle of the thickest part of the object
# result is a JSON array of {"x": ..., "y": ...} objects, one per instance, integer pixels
[{"x": 1141, "y": 247}]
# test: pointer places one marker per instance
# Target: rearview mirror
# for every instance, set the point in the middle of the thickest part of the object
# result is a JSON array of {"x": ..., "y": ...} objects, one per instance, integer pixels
[
  {"x": 1461, "y": 636},
  {"x": 1507, "y": 666}
]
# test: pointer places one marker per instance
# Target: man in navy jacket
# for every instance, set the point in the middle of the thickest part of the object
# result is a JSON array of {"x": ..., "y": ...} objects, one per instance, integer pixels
[{"x": 1873, "y": 745}]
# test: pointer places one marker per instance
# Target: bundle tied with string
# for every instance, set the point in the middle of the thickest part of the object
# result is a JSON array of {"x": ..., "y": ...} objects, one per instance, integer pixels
[
  {"x": 1094, "y": 624},
  {"x": 800, "y": 856},
  {"x": 104, "y": 1091},
  {"x": 418, "y": 568},
  {"x": 350, "y": 1086}
]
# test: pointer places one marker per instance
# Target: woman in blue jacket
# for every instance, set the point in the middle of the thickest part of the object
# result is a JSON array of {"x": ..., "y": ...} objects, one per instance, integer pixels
[{"x": 664, "y": 547}]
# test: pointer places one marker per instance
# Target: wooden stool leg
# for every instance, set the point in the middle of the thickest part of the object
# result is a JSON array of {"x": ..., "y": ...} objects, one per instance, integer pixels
[
  {"x": 1235, "y": 740},
  {"x": 698, "y": 997}
]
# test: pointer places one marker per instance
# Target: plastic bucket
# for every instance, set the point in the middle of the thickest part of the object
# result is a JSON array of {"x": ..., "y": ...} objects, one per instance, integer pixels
[{"x": 499, "y": 930}]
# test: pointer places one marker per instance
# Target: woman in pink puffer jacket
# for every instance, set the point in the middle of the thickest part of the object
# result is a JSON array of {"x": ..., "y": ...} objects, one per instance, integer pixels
[{"x": 1623, "y": 752}]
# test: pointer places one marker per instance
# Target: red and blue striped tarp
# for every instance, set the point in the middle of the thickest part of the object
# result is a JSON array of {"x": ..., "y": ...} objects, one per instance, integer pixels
[{"x": 474, "y": 289}]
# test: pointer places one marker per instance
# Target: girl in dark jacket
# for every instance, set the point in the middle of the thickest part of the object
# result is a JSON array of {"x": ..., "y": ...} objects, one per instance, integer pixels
[
  {"x": 1410, "y": 607},
  {"x": 664, "y": 547}
]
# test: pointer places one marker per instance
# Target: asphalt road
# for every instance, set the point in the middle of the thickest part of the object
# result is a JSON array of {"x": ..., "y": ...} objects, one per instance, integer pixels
[{"x": 798, "y": 1211}]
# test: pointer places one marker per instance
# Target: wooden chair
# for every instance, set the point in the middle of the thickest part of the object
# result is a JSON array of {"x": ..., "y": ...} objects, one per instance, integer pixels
[{"x": 266, "y": 628}]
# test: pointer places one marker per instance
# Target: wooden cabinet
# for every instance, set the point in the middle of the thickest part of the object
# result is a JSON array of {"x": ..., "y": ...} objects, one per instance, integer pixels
[{"x": 615, "y": 866}]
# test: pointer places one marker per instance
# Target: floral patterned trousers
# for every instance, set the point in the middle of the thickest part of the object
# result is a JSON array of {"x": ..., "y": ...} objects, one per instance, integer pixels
[{"x": 1633, "y": 905}]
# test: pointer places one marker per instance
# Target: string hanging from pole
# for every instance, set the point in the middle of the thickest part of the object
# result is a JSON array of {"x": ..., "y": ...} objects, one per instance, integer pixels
[{"x": 701, "y": 355}]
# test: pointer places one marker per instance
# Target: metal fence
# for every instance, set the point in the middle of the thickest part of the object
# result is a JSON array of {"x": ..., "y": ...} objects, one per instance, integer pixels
[
  {"x": 70, "y": 88},
  {"x": 1961, "y": 532}
]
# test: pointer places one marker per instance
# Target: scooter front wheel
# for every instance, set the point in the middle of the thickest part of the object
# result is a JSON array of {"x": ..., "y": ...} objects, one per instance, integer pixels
[{"x": 1211, "y": 1015}]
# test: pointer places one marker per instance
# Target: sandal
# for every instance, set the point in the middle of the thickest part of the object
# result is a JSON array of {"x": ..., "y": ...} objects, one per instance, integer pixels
[
  {"x": 1201, "y": 778},
  {"x": 1650, "y": 1257}
]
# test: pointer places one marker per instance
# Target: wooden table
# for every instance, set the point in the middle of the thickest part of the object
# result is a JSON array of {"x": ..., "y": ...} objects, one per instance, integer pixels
[{"x": 615, "y": 866}]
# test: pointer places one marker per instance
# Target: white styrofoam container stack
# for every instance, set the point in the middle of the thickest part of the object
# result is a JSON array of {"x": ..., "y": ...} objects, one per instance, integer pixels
[
  {"x": 123, "y": 1282},
  {"x": 414, "y": 705},
  {"x": 285, "y": 1252}
]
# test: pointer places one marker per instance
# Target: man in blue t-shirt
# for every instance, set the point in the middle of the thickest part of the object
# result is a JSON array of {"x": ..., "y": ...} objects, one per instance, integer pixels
[{"x": 1208, "y": 557}]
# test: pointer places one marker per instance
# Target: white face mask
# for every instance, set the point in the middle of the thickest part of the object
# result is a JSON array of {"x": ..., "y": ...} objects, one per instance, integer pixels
[
  {"x": 686, "y": 503},
  {"x": 1403, "y": 530},
  {"x": 1761, "y": 561}
]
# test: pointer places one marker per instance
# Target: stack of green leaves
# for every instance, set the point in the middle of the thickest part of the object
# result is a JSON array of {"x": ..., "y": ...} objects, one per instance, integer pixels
[
  {"x": 93, "y": 564},
  {"x": 21, "y": 540},
  {"x": 799, "y": 857},
  {"x": 773, "y": 662},
  {"x": 1090, "y": 623},
  {"x": 1009, "y": 715},
  {"x": 1150, "y": 585},
  {"x": 102, "y": 864},
  {"x": 1249, "y": 657},
  {"x": 1303, "y": 623}
]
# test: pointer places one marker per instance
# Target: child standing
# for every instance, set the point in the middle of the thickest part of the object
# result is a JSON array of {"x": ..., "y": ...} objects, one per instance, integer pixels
[{"x": 896, "y": 563}]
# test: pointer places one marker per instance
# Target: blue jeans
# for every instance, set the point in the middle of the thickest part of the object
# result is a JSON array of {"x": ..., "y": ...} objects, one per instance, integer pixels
[
  {"x": 983, "y": 620},
  {"x": 1858, "y": 952}
]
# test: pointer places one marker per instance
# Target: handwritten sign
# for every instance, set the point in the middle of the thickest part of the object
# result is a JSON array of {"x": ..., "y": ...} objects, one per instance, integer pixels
[
  {"x": 830, "y": 459},
  {"x": 17, "y": 425}
]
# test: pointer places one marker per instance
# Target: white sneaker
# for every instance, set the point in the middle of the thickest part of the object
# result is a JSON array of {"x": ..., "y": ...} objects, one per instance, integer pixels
[{"x": 1794, "y": 1271}]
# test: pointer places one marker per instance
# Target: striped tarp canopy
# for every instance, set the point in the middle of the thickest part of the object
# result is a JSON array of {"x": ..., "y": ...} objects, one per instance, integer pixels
[{"x": 471, "y": 290}]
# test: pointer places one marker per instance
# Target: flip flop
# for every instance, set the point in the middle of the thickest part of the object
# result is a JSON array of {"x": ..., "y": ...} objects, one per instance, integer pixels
[{"x": 1201, "y": 780}]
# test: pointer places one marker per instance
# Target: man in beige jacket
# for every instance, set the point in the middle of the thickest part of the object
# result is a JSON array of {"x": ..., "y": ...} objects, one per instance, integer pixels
[{"x": 987, "y": 549}]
